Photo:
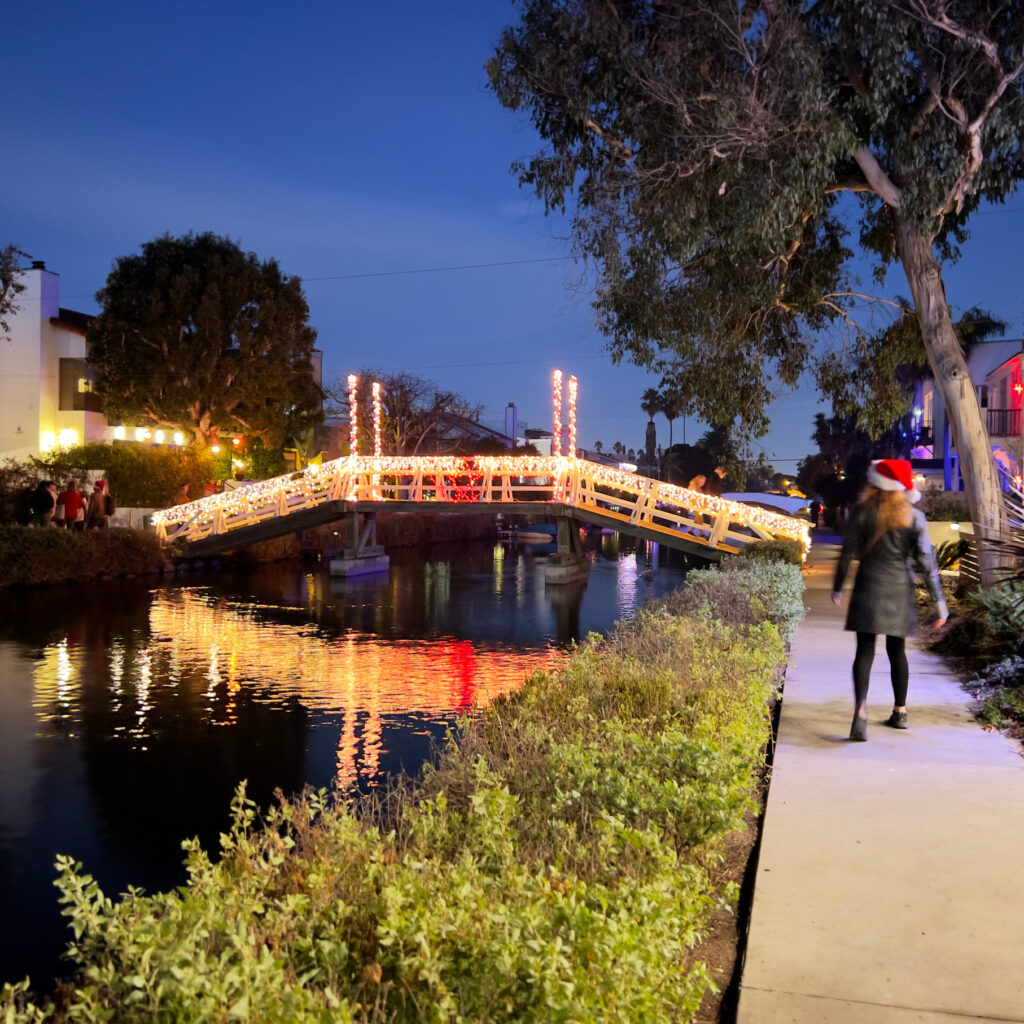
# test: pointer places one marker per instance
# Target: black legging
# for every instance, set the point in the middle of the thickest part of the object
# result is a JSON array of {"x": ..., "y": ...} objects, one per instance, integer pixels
[{"x": 896, "y": 648}]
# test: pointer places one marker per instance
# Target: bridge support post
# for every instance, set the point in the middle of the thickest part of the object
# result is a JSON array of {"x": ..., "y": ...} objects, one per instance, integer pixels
[
  {"x": 569, "y": 563},
  {"x": 363, "y": 554}
]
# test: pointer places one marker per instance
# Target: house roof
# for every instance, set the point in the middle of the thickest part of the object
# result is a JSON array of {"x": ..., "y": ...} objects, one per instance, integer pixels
[
  {"x": 986, "y": 356},
  {"x": 1005, "y": 363},
  {"x": 72, "y": 320}
]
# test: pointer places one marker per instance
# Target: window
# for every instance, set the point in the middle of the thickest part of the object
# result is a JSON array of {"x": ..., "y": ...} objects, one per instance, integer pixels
[{"x": 76, "y": 387}]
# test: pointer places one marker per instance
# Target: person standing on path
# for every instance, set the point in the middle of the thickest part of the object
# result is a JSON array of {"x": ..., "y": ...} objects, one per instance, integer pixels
[
  {"x": 100, "y": 507},
  {"x": 72, "y": 502},
  {"x": 887, "y": 535}
]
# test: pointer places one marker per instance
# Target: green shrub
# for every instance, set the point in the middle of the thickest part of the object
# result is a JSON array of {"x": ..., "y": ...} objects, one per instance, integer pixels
[
  {"x": 30, "y": 555},
  {"x": 138, "y": 476},
  {"x": 945, "y": 507},
  {"x": 1000, "y": 691},
  {"x": 743, "y": 593},
  {"x": 556, "y": 864},
  {"x": 790, "y": 551}
]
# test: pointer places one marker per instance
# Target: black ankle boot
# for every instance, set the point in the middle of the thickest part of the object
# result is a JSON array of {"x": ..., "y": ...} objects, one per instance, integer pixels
[{"x": 859, "y": 728}]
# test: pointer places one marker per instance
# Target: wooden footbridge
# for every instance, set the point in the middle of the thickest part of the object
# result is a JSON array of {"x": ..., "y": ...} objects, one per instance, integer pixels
[{"x": 354, "y": 488}]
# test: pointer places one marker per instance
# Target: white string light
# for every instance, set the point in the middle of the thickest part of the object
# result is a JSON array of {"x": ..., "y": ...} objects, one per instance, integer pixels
[
  {"x": 556, "y": 404},
  {"x": 376, "y": 419},
  {"x": 353, "y": 415},
  {"x": 475, "y": 479},
  {"x": 573, "y": 384}
]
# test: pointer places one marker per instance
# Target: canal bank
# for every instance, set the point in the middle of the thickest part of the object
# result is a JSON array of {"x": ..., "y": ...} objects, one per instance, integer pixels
[
  {"x": 45, "y": 556},
  {"x": 558, "y": 861},
  {"x": 132, "y": 708}
]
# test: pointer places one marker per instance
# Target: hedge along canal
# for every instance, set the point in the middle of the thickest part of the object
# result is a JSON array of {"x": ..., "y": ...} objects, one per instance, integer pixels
[{"x": 129, "y": 710}]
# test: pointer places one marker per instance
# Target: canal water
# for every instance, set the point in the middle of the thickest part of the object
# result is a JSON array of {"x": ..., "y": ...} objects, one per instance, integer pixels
[{"x": 131, "y": 709}]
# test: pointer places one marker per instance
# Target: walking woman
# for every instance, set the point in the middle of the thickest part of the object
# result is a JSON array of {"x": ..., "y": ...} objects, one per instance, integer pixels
[{"x": 888, "y": 535}]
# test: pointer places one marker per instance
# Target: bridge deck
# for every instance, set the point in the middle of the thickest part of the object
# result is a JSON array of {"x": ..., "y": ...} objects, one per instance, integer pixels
[{"x": 689, "y": 520}]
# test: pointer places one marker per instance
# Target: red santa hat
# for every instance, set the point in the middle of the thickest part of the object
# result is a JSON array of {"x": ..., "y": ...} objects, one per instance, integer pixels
[
  {"x": 99, "y": 485},
  {"x": 893, "y": 475}
]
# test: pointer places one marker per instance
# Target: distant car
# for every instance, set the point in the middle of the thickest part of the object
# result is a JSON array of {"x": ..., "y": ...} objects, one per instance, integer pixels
[{"x": 799, "y": 508}]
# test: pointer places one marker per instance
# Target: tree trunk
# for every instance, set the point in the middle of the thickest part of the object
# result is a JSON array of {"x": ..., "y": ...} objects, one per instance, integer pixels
[{"x": 952, "y": 378}]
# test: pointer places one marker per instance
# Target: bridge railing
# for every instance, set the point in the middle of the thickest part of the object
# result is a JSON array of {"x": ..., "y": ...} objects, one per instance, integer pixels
[{"x": 608, "y": 493}]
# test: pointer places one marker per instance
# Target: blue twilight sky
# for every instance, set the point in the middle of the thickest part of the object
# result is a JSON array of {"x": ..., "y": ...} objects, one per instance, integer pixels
[{"x": 355, "y": 143}]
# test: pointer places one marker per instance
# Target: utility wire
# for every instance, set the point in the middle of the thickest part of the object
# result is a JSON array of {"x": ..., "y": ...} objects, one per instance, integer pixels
[{"x": 437, "y": 270}]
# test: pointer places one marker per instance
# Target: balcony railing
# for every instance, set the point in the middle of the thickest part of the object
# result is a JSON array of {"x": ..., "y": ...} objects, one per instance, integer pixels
[{"x": 1004, "y": 422}]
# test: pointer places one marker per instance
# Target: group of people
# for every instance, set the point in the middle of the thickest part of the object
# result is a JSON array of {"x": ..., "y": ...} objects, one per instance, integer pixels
[
  {"x": 71, "y": 509},
  {"x": 709, "y": 485}
]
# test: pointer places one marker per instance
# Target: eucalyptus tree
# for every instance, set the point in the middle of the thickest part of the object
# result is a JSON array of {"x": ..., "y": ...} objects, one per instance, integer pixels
[{"x": 720, "y": 151}]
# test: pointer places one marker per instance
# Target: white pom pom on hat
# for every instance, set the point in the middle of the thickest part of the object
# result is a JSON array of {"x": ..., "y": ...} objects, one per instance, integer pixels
[{"x": 893, "y": 475}]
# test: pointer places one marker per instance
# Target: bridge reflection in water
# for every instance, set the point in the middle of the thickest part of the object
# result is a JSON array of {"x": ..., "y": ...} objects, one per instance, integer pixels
[{"x": 367, "y": 676}]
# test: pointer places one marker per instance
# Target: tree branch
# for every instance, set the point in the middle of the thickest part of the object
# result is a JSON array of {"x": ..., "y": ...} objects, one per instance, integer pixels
[
  {"x": 879, "y": 181},
  {"x": 618, "y": 144}
]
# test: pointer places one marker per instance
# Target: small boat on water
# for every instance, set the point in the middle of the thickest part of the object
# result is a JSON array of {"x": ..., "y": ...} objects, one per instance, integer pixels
[{"x": 534, "y": 533}]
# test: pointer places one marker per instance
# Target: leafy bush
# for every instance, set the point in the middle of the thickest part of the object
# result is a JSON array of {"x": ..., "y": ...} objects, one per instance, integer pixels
[
  {"x": 945, "y": 507},
  {"x": 138, "y": 476},
  {"x": 790, "y": 551},
  {"x": 30, "y": 556},
  {"x": 744, "y": 593},
  {"x": 1000, "y": 689},
  {"x": 556, "y": 863}
]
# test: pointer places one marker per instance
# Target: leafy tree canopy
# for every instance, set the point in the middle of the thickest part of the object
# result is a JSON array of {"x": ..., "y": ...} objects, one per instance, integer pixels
[
  {"x": 720, "y": 151},
  {"x": 197, "y": 335}
]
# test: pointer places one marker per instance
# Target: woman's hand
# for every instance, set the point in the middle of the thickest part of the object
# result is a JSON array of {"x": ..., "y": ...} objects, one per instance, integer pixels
[
  {"x": 837, "y": 598},
  {"x": 939, "y": 623}
]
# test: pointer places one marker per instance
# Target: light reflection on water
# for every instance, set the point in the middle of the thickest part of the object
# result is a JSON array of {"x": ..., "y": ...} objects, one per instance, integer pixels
[{"x": 130, "y": 710}]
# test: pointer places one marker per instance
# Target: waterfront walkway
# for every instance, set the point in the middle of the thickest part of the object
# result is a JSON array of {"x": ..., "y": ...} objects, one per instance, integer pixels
[{"x": 890, "y": 882}]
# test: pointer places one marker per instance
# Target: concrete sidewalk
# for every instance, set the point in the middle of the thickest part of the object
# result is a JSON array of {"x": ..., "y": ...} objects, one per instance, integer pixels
[{"x": 890, "y": 882}]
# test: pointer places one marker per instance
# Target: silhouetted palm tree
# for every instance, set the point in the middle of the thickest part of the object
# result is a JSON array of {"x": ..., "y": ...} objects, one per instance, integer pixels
[{"x": 650, "y": 402}]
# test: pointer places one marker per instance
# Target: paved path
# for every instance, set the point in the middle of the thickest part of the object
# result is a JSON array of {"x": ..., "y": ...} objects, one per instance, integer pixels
[{"x": 890, "y": 883}]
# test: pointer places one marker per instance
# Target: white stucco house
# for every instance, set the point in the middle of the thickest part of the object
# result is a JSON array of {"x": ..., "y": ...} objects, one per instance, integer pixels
[{"x": 46, "y": 395}]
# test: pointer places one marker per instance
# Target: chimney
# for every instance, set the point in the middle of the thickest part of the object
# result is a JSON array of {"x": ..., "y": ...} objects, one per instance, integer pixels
[
  {"x": 39, "y": 264},
  {"x": 512, "y": 422}
]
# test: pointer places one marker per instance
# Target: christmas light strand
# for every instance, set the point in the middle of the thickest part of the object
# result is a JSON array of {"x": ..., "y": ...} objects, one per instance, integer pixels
[
  {"x": 468, "y": 479},
  {"x": 353, "y": 415},
  {"x": 376, "y": 420},
  {"x": 556, "y": 403},
  {"x": 573, "y": 385}
]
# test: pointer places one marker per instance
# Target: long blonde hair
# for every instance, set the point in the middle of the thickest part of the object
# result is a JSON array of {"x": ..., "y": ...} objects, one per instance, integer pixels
[{"x": 892, "y": 509}]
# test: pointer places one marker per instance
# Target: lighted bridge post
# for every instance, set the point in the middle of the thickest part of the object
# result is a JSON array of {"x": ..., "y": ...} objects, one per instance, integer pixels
[{"x": 701, "y": 524}]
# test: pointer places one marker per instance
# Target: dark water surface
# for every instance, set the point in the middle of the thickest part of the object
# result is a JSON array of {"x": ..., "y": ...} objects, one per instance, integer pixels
[{"x": 130, "y": 710}]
